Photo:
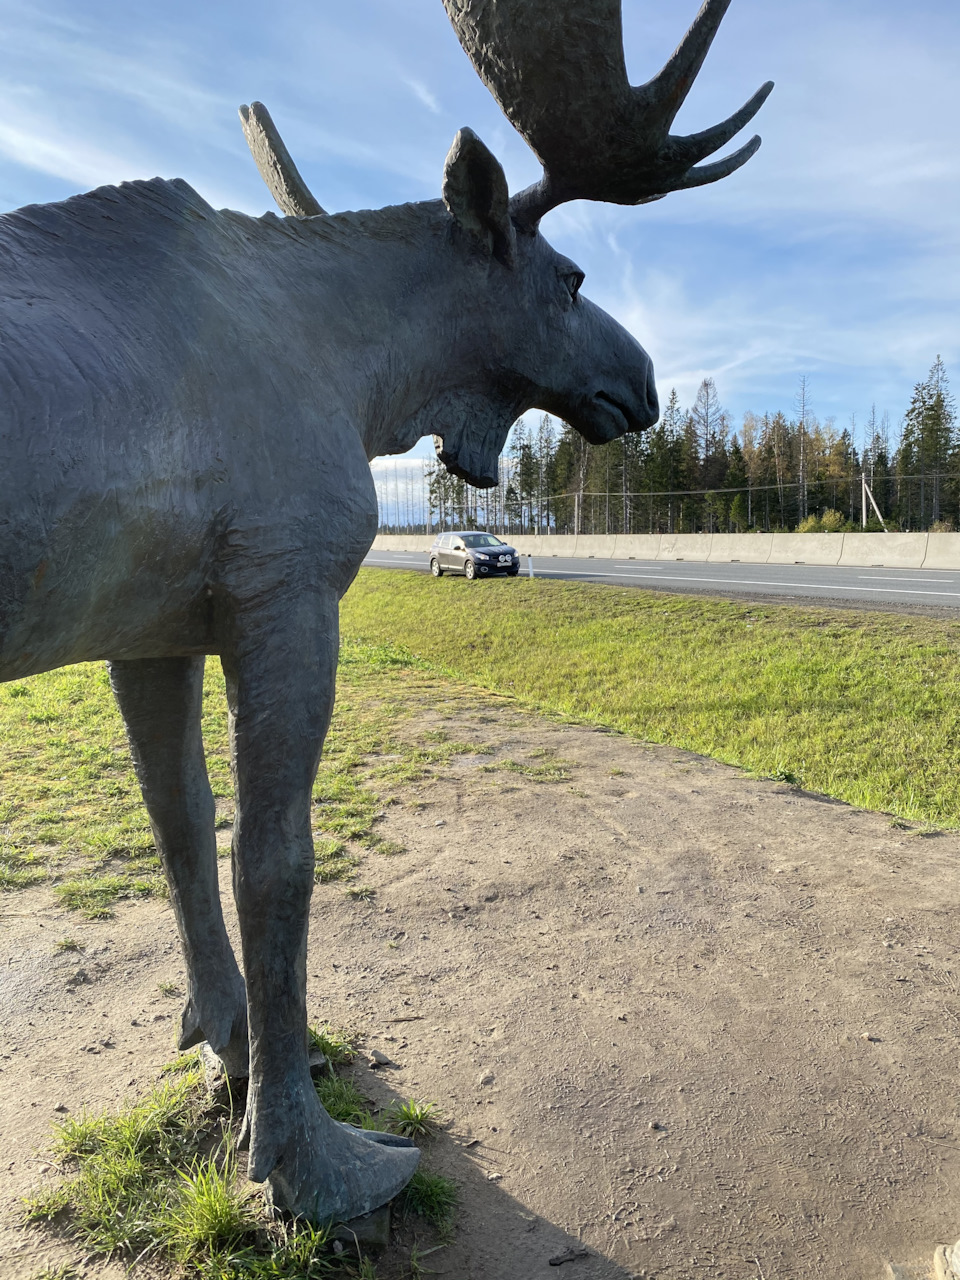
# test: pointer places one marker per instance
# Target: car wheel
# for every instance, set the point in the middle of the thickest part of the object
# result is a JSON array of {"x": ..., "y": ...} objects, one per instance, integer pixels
[
  {"x": 435, "y": 568},
  {"x": 470, "y": 569}
]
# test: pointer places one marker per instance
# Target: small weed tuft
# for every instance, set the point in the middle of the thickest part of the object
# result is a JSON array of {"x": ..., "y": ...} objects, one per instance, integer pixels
[
  {"x": 336, "y": 1044},
  {"x": 68, "y": 944},
  {"x": 183, "y": 1063},
  {"x": 389, "y": 848},
  {"x": 362, "y": 893},
  {"x": 431, "y": 1196},
  {"x": 209, "y": 1214},
  {"x": 343, "y": 1100},
  {"x": 412, "y": 1119}
]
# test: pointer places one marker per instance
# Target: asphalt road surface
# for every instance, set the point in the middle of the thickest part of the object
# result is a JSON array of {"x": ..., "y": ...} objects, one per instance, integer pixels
[{"x": 870, "y": 588}]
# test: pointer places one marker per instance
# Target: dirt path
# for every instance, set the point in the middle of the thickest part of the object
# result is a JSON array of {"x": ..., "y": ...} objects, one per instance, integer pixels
[{"x": 697, "y": 1023}]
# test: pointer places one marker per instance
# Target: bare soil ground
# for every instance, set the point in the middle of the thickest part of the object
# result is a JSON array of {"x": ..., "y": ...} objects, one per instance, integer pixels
[{"x": 691, "y": 1021}]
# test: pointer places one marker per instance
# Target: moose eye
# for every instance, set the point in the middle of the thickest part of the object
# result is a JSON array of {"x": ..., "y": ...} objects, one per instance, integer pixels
[{"x": 572, "y": 280}]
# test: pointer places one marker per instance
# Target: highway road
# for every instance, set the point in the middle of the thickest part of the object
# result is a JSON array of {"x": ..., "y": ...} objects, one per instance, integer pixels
[{"x": 870, "y": 588}]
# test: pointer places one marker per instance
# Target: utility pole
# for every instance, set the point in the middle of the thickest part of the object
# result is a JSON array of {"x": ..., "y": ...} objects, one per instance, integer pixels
[{"x": 866, "y": 493}]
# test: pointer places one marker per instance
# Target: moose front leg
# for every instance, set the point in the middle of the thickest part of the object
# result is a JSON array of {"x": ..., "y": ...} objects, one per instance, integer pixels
[
  {"x": 160, "y": 701},
  {"x": 280, "y": 686}
]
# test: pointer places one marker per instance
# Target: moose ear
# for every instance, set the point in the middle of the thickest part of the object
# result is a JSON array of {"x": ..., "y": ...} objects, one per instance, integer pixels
[{"x": 475, "y": 192}]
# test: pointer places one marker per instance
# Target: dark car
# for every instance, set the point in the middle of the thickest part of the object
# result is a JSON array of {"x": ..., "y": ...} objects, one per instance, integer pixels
[{"x": 474, "y": 554}]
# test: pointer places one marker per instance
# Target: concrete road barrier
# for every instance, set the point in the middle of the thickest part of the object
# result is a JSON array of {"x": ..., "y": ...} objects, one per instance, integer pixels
[
  {"x": 599, "y": 546},
  {"x": 889, "y": 550},
  {"x": 943, "y": 551},
  {"x": 417, "y": 543},
  {"x": 685, "y": 546},
  {"x": 560, "y": 544},
  {"x": 636, "y": 546},
  {"x": 806, "y": 548},
  {"x": 528, "y": 544},
  {"x": 747, "y": 548}
]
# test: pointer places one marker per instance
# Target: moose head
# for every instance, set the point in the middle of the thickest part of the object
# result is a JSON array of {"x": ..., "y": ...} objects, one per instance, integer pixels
[{"x": 557, "y": 71}]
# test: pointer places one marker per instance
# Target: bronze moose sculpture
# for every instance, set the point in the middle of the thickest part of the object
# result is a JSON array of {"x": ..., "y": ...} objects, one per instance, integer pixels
[{"x": 190, "y": 401}]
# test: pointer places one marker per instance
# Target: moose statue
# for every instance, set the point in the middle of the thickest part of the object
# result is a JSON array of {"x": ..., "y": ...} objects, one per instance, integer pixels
[{"x": 190, "y": 400}]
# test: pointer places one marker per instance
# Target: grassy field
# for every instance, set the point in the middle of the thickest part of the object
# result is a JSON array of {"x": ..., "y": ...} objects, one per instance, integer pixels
[
  {"x": 861, "y": 706},
  {"x": 70, "y": 808}
]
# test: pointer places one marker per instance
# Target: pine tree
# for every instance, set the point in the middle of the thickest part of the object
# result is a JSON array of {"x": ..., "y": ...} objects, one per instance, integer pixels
[
  {"x": 736, "y": 479},
  {"x": 928, "y": 449}
]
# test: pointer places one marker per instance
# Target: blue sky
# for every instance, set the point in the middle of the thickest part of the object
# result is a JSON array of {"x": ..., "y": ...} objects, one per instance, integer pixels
[{"x": 835, "y": 253}]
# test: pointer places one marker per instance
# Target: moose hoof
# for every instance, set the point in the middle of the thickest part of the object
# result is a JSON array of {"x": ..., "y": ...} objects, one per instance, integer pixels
[
  {"x": 320, "y": 1169},
  {"x": 357, "y": 1171},
  {"x": 221, "y": 1028},
  {"x": 216, "y": 1073}
]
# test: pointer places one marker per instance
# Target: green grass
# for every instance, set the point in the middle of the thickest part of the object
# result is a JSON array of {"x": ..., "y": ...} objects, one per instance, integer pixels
[
  {"x": 412, "y": 1118},
  {"x": 337, "y": 1045},
  {"x": 159, "y": 1181},
  {"x": 861, "y": 706},
  {"x": 432, "y": 1196},
  {"x": 70, "y": 808}
]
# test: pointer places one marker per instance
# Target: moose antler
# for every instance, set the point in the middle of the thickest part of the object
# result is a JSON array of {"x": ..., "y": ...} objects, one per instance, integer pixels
[
  {"x": 557, "y": 69},
  {"x": 275, "y": 163}
]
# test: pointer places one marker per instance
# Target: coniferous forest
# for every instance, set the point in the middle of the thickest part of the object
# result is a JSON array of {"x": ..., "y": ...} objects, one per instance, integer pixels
[{"x": 697, "y": 471}]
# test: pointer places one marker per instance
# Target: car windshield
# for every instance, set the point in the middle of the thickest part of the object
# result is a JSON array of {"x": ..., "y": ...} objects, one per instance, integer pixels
[{"x": 481, "y": 540}]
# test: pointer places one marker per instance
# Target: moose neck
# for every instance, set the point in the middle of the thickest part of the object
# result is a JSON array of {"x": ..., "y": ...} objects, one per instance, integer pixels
[{"x": 398, "y": 331}]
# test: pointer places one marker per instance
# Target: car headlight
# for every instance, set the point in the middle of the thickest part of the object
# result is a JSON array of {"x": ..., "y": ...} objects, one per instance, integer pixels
[{"x": 481, "y": 556}]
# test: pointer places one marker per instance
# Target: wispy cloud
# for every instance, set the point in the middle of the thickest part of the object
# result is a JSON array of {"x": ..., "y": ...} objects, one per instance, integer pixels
[{"x": 423, "y": 94}]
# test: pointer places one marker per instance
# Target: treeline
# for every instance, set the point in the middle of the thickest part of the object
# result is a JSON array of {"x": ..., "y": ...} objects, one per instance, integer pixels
[{"x": 695, "y": 472}]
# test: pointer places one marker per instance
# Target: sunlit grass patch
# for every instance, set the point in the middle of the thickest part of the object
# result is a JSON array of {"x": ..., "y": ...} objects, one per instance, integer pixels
[
  {"x": 70, "y": 807},
  {"x": 861, "y": 706},
  {"x": 412, "y": 1118},
  {"x": 551, "y": 771},
  {"x": 160, "y": 1182},
  {"x": 96, "y": 896},
  {"x": 338, "y": 1047}
]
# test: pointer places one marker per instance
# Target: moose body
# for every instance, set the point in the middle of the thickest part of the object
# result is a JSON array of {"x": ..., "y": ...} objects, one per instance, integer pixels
[{"x": 190, "y": 399}]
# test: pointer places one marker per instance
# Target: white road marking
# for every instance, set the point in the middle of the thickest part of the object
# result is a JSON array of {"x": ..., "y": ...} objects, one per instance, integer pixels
[
  {"x": 751, "y": 582},
  {"x": 658, "y": 573},
  {"x": 884, "y": 577}
]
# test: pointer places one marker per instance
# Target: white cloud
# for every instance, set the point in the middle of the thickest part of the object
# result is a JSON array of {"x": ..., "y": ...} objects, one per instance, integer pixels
[{"x": 423, "y": 94}]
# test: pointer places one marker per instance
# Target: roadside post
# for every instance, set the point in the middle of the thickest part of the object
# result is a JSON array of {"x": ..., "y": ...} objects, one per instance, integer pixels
[{"x": 529, "y": 566}]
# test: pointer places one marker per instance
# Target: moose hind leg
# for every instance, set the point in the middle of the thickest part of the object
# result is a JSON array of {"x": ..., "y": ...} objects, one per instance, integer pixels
[
  {"x": 160, "y": 700},
  {"x": 280, "y": 687}
]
